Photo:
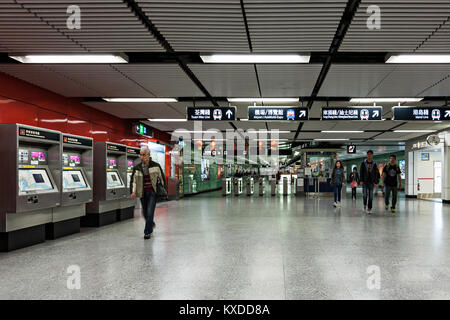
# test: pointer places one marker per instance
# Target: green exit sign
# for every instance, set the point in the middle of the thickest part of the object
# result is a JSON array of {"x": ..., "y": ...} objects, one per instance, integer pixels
[{"x": 144, "y": 130}]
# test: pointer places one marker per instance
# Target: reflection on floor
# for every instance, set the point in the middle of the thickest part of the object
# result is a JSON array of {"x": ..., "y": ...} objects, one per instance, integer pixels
[{"x": 211, "y": 247}]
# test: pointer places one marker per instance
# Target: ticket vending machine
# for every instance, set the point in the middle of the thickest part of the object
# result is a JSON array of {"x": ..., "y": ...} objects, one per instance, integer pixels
[
  {"x": 76, "y": 191},
  {"x": 127, "y": 205},
  {"x": 30, "y": 186},
  {"x": 109, "y": 184}
]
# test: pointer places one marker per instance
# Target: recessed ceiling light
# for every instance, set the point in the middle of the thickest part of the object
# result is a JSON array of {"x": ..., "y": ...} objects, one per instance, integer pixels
[
  {"x": 140, "y": 99},
  {"x": 338, "y": 131},
  {"x": 167, "y": 120},
  {"x": 263, "y": 100},
  {"x": 255, "y": 58},
  {"x": 372, "y": 100},
  {"x": 419, "y": 58},
  {"x": 331, "y": 139},
  {"x": 413, "y": 131},
  {"x": 71, "y": 58}
]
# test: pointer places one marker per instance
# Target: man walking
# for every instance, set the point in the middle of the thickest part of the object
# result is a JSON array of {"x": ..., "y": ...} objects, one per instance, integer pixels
[
  {"x": 369, "y": 178},
  {"x": 144, "y": 180},
  {"x": 391, "y": 172}
]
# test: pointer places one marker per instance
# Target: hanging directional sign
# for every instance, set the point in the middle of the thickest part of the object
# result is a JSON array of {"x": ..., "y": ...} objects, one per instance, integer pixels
[
  {"x": 421, "y": 113},
  {"x": 211, "y": 113},
  {"x": 351, "y": 149},
  {"x": 277, "y": 113},
  {"x": 352, "y": 113}
]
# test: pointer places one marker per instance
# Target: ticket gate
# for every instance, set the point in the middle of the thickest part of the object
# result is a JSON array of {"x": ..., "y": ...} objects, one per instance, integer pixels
[
  {"x": 261, "y": 186},
  {"x": 226, "y": 186},
  {"x": 31, "y": 183},
  {"x": 77, "y": 166},
  {"x": 127, "y": 205},
  {"x": 250, "y": 186},
  {"x": 237, "y": 186},
  {"x": 273, "y": 187},
  {"x": 285, "y": 186},
  {"x": 109, "y": 184}
]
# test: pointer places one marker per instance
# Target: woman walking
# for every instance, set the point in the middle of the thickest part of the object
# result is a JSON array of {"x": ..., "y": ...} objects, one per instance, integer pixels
[
  {"x": 337, "y": 180},
  {"x": 353, "y": 179}
]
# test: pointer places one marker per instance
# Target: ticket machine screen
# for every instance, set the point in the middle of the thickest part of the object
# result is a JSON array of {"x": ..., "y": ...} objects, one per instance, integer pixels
[
  {"x": 73, "y": 179},
  {"x": 113, "y": 180},
  {"x": 38, "y": 155},
  {"x": 34, "y": 181}
]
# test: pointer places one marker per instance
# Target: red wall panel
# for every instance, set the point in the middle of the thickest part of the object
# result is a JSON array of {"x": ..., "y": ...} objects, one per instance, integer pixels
[{"x": 22, "y": 102}]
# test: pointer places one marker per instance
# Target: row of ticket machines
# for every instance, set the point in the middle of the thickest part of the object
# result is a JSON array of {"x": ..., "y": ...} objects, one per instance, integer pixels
[{"x": 53, "y": 183}]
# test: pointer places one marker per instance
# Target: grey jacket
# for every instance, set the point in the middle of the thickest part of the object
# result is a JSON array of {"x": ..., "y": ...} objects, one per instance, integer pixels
[{"x": 333, "y": 175}]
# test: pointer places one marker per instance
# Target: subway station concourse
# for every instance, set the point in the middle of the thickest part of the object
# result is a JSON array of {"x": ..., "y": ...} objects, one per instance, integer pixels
[{"x": 225, "y": 150}]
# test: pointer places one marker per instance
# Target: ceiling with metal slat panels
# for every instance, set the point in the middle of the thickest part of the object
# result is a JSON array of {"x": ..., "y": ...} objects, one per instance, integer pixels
[
  {"x": 106, "y": 25},
  {"x": 199, "y": 25},
  {"x": 406, "y": 25},
  {"x": 292, "y": 26},
  {"x": 165, "y": 41}
]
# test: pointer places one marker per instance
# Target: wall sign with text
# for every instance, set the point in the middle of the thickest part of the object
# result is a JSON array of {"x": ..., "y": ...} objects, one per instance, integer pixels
[{"x": 211, "y": 113}]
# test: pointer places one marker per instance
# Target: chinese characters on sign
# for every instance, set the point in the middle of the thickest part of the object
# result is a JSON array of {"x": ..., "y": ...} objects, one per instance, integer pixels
[
  {"x": 421, "y": 113},
  {"x": 352, "y": 113},
  {"x": 277, "y": 113},
  {"x": 211, "y": 113}
]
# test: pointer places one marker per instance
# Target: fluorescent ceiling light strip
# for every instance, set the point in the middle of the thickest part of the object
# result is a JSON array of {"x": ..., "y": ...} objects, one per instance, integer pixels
[
  {"x": 331, "y": 139},
  {"x": 188, "y": 131},
  {"x": 413, "y": 131},
  {"x": 331, "y": 131},
  {"x": 263, "y": 99},
  {"x": 140, "y": 99},
  {"x": 268, "y": 131},
  {"x": 255, "y": 58},
  {"x": 167, "y": 120},
  {"x": 419, "y": 58},
  {"x": 371, "y": 100},
  {"x": 70, "y": 58}
]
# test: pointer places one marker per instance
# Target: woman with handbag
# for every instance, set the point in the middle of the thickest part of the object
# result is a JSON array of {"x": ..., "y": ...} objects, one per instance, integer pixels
[
  {"x": 148, "y": 183},
  {"x": 337, "y": 180},
  {"x": 353, "y": 179}
]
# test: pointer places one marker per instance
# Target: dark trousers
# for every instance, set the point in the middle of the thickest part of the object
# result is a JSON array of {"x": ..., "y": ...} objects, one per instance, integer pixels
[
  {"x": 148, "y": 202},
  {"x": 337, "y": 188},
  {"x": 368, "y": 195},
  {"x": 388, "y": 194},
  {"x": 354, "y": 193}
]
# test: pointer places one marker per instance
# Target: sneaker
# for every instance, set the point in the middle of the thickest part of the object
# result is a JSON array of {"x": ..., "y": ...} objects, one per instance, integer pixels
[
  {"x": 386, "y": 207},
  {"x": 393, "y": 210},
  {"x": 369, "y": 211},
  {"x": 335, "y": 204},
  {"x": 147, "y": 236}
]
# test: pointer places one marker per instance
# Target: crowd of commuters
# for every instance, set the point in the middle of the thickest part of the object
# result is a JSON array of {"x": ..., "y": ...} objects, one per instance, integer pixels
[{"x": 369, "y": 178}]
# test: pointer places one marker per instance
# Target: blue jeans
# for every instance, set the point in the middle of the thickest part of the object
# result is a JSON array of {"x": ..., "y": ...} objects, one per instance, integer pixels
[
  {"x": 337, "y": 188},
  {"x": 148, "y": 202},
  {"x": 368, "y": 195}
]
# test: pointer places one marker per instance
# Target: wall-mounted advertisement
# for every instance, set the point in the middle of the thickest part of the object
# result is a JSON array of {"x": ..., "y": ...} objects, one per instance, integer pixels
[
  {"x": 158, "y": 154},
  {"x": 402, "y": 166}
]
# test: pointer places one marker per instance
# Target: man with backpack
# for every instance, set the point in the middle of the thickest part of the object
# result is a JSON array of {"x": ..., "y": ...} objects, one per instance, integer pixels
[
  {"x": 391, "y": 172},
  {"x": 369, "y": 178}
]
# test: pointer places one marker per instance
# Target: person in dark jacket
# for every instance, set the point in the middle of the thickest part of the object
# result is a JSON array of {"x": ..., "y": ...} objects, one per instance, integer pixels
[
  {"x": 353, "y": 179},
  {"x": 337, "y": 179},
  {"x": 369, "y": 179},
  {"x": 144, "y": 179}
]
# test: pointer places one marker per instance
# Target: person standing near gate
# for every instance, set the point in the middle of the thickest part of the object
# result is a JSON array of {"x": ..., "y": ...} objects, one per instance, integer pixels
[
  {"x": 369, "y": 179},
  {"x": 391, "y": 172},
  {"x": 337, "y": 180}
]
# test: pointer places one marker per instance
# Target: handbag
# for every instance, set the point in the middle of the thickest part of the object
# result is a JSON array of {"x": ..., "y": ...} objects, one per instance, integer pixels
[
  {"x": 160, "y": 191},
  {"x": 354, "y": 184}
]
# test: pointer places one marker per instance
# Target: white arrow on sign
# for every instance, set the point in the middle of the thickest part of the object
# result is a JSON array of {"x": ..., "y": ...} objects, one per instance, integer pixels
[
  {"x": 375, "y": 113},
  {"x": 447, "y": 114},
  {"x": 302, "y": 113},
  {"x": 229, "y": 113}
]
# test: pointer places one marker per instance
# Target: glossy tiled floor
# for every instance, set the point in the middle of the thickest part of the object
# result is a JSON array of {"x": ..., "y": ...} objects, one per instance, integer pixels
[{"x": 210, "y": 247}]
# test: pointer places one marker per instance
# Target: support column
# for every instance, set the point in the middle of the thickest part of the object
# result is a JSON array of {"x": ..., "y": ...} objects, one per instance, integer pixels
[{"x": 446, "y": 172}]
